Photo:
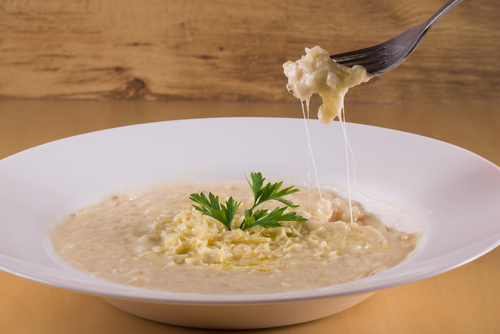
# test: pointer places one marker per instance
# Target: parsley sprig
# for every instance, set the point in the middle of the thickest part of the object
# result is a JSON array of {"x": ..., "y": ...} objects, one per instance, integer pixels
[
  {"x": 210, "y": 207},
  {"x": 271, "y": 191}
]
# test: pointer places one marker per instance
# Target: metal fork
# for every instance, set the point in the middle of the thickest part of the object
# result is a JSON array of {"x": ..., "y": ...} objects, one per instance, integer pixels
[{"x": 384, "y": 57}]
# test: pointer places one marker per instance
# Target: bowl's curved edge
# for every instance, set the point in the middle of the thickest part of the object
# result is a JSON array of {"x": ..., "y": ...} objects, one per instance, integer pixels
[{"x": 239, "y": 317}]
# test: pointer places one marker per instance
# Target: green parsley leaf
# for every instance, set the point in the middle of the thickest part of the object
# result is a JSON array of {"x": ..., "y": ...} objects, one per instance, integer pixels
[
  {"x": 271, "y": 191},
  {"x": 278, "y": 215},
  {"x": 211, "y": 207}
]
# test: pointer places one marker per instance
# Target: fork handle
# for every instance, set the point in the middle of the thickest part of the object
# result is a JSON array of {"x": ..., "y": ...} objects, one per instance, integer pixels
[{"x": 440, "y": 13}]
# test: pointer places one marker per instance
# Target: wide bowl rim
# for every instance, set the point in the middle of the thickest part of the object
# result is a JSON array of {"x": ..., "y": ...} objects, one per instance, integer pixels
[{"x": 191, "y": 299}]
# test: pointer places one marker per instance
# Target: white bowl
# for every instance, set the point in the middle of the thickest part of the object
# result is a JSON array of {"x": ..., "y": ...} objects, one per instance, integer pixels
[{"x": 451, "y": 193}]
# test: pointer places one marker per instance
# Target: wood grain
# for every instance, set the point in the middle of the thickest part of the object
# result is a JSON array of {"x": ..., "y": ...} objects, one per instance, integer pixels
[{"x": 225, "y": 50}]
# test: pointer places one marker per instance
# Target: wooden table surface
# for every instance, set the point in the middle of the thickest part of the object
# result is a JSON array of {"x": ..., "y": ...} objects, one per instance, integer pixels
[
  {"x": 233, "y": 50},
  {"x": 464, "y": 300}
]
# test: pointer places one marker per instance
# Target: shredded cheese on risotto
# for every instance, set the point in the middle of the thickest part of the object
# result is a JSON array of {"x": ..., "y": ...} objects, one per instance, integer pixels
[{"x": 191, "y": 237}]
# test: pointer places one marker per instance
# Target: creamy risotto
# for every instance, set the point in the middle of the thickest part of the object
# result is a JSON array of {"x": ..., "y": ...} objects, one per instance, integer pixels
[
  {"x": 159, "y": 241},
  {"x": 316, "y": 72}
]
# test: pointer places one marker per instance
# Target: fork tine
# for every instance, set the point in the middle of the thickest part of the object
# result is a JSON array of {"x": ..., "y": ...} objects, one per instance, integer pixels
[
  {"x": 347, "y": 56},
  {"x": 375, "y": 66},
  {"x": 364, "y": 59}
]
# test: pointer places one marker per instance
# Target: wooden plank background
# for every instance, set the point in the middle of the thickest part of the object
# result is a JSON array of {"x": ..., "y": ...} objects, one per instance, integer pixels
[{"x": 233, "y": 50}]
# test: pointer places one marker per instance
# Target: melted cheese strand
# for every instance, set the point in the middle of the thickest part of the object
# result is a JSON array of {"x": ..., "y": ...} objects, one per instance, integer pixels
[
  {"x": 308, "y": 152},
  {"x": 306, "y": 122},
  {"x": 346, "y": 144}
]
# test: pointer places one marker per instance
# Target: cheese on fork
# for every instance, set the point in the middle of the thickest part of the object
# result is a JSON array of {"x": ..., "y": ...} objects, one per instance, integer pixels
[{"x": 316, "y": 72}]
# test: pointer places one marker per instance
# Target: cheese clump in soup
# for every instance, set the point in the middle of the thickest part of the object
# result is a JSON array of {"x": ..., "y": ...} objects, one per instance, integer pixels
[
  {"x": 159, "y": 241},
  {"x": 316, "y": 72}
]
